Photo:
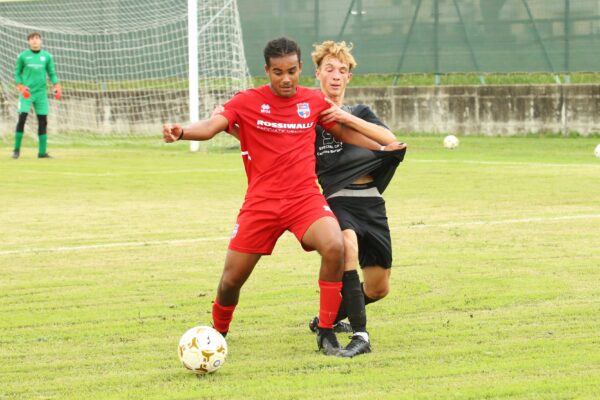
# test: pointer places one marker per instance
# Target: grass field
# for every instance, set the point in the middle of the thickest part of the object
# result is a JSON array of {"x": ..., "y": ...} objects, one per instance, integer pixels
[
  {"x": 460, "y": 79},
  {"x": 108, "y": 253}
]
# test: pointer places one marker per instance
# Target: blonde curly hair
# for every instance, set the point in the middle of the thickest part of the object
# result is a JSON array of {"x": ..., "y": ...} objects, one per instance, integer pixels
[{"x": 339, "y": 50}]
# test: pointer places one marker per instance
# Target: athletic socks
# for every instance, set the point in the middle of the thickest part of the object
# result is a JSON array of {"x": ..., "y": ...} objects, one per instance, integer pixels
[
  {"x": 43, "y": 142},
  {"x": 343, "y": 313},
  {"x": 354, "y": 301},
  {"x": 362, "y": 334},
  {"x": 222, "y": 316},
  {"x": 18, "y": 140},
  {"x": 330, "y": 299}
]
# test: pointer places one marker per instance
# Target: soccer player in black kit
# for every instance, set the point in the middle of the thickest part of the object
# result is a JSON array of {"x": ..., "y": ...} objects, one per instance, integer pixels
[{"x": 353, "y": 178}]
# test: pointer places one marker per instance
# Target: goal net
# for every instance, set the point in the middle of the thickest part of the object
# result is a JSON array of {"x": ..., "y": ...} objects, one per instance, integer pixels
[{"x": 123, "y": 64}]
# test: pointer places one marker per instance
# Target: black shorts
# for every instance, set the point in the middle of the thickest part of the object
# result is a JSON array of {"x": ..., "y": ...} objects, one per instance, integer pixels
[{"x": 367, "y": 217}]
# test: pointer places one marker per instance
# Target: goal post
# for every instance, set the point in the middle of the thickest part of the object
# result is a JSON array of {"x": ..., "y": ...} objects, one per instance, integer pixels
[
  {"x": 127, "y": 66},
  {"x": 194, "y": 94}
]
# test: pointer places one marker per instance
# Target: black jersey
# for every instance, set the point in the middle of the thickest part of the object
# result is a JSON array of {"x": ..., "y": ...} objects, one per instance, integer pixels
[{"x": 340, "y": 164}]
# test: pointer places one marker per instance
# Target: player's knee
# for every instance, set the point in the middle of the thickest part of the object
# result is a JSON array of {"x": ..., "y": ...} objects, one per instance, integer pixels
[
  {"x": 21, "y": 122},
  {"x": 350, "y": 246},
  {"x": 333, "y": 249},
  {"x": 42, "y": 124},
  {"x": 377, "y": 292},
  {"x": 231, "y": 282}
]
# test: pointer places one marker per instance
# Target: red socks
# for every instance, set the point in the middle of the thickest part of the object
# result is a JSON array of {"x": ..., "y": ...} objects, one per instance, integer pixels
[
  {"x": 222, "y": 316},
  {"x": 331, "y": 298}
]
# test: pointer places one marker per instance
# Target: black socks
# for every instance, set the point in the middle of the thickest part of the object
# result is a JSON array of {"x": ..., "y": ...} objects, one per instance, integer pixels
[{"x": 353, "y": 302}]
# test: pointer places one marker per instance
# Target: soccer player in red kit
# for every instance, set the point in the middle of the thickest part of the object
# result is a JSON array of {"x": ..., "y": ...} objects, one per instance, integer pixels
[{"x": 276, "y": 127}]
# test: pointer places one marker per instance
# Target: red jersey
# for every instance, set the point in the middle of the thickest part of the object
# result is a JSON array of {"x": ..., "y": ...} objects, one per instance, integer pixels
[{"x": 277, "y": 136}]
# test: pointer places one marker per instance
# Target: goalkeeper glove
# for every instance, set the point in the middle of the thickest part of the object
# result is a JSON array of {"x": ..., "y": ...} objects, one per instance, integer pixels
[
  {"x": 57, "y": 92},
  {"x": 24, "y": 91}
]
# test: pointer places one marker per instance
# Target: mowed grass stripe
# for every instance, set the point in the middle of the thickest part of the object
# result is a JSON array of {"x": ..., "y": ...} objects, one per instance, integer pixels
[{"x": 178, "y": 242}]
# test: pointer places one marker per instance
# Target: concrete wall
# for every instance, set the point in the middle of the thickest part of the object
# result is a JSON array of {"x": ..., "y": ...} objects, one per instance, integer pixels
[
  {"x": 488, "y": 110},
  {"x": 110, "y": 112}
]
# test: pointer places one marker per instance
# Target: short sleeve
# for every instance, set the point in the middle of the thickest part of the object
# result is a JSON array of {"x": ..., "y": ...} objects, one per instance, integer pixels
[
  {"x": 51, "y": 69},
  {"x": 365, "y": 113},
  {"x": 19, "y": 70},
  {"x": 231, "y": 111}
]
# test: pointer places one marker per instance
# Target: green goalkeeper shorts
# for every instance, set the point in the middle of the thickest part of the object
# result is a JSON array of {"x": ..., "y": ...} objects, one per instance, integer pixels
[{"x": 39, "y": 101}]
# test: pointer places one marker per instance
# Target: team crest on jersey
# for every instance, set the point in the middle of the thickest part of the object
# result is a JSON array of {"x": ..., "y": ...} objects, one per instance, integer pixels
[
  {"x": 43, "y": 58},
  {"x": 265, "y": 109},
  {"x": 303, "y": 110}
]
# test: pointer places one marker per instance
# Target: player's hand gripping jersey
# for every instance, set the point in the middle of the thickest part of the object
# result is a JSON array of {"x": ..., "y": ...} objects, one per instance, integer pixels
[
  {"x": 339, "y": 164},
  {"x": 277, "y": 138}
]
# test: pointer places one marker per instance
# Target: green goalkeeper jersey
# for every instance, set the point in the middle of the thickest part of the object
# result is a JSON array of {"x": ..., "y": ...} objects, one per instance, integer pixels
[{"x": 32, "y": 67}]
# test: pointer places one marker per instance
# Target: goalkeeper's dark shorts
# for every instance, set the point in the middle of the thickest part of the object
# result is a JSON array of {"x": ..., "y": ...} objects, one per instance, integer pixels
[{"x": 368, "y": 218}]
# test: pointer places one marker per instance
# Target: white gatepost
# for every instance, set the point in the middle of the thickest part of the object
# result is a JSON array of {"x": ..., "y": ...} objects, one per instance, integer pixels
[{"x": 193, "y": 90}]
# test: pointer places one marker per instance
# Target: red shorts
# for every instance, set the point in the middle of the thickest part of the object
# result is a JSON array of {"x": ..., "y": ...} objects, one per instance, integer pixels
[{"x": 262, "y": 221}]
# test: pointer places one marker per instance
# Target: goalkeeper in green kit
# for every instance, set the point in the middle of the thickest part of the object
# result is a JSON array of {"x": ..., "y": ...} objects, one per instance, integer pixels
[{"x": 30, "y": 75}]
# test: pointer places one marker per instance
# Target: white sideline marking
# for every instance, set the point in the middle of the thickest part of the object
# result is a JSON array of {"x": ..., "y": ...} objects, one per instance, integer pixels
[
  {"x": 62, "y": 249},
  {"x": 111, "y": 245},
  {"x": 207, "y": 170},
  {"x": 504, "y": 222},
  {"x": 515, "y": 163},
  {"x": 167, "y": 172}
]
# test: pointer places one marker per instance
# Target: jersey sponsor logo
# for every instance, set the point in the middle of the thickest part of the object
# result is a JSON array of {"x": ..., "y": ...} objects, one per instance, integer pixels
[
  {"x": 282, "y": 126},
  {"x": 265, "y": 109},
  {"x": 303, "y": 110},
  {"x": 245, "y": 153}
]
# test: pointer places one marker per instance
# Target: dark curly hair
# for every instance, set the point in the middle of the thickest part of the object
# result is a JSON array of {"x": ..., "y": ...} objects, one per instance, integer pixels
[{"x": 280, "y": 47}]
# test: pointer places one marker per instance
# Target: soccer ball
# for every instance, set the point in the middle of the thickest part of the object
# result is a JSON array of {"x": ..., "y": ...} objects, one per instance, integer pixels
[
  {"x": 597, "y": 151},
  {"x": 451, "y": 142},
  {"x": 202, "y": 350}
]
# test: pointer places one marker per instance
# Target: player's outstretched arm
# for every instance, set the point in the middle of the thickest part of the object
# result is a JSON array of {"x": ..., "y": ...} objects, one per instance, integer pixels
[
  {"x": 377, "y": 133},
  {"x": 235, "y": 131},
  {"x": 200, "y": 130},
  {"x": 348, "y": 135}
]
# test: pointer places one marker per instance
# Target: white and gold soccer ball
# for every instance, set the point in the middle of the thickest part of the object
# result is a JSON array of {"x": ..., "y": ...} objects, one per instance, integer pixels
[
  {"x": 451, "y": 142},
  {"x": 202, "y": 350},
  {"x": 597, "y": 151}
]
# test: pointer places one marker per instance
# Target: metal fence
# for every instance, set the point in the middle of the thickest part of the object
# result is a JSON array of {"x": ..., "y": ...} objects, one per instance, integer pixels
[{"x": 435, "y": 36}]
